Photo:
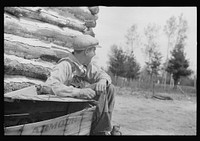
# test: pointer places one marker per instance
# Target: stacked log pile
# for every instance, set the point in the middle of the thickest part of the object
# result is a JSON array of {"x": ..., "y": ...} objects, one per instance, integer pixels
[{"x": 35, "y": 38}]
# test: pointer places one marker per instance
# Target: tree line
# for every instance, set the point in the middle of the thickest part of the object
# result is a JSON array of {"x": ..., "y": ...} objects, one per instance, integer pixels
[{"x": 123, "y": 63}]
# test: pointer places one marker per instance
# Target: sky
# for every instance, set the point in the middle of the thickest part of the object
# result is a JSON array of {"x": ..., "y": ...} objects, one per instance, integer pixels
[{"x": 113, "y": 23}]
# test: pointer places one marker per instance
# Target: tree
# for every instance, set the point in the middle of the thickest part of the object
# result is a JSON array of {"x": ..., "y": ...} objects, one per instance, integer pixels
[
  {"x": 132, "y": 41},
  {"x": 131, "y": 67},
  {"x": 178, "y": 65},
  {"x": 153, "y": 56},
  {"x": 151, "y": 50},
  {"x": 117, "y": 60},
  {"x": 153, "y": 66},
  {"x": 132, "y": 38},
  {"x": 170, "y": 30},
  {"x": 123, "y": 64}
]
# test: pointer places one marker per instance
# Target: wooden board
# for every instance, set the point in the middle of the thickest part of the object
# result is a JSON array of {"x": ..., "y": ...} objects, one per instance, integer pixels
[{"x": 78, "y": 123}]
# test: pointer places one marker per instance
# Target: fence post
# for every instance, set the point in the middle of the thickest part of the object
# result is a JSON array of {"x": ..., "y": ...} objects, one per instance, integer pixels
[{"x": 195, "y": 82}]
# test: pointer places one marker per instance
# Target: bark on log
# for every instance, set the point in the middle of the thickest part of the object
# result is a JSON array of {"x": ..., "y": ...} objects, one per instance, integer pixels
[
  {"x": 89, "y": 31},
  {"x": 16, "y": 82},
  {"x": 37, "y": 62},
  {"x": 20, "y": 78},
  {"x": 46, "y": 16},
  {"x": 78, "y": 12},
  {"x": 90, "y": 24},
  {"x": 13, "y": 67},
  {"x": 28, "y": 52},
  {"x": 24, "y": 47},
  {"x": 94, "y": 10},
  {"x": 42, "y": 31},
  {"x": 87, "y": 18},
  {"x": 13, "y": 86}
]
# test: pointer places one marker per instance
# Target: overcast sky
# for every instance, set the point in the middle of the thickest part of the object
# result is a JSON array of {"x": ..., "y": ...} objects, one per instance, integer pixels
[{"x": 113, "y": 23}]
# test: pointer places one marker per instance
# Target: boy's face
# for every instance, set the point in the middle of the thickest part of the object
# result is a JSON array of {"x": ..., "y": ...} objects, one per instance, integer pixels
[{"x": 89, "y": 54}]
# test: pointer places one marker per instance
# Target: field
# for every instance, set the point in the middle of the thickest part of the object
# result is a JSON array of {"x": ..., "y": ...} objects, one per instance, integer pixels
[{"x": 138, "y": 113}]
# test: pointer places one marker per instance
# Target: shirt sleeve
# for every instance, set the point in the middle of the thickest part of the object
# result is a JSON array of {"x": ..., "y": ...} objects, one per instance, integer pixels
[
  {"x": 96, "y": 74},
  {"x": 59, "y": 75}
]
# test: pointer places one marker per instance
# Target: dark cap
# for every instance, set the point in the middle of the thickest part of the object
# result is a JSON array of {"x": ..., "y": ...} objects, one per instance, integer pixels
[{"x": 82, "y": 42}]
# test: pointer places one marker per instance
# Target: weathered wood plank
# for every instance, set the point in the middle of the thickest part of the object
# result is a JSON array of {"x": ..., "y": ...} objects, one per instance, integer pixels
[
  {"x": 42, "y": 31},
  {"x": 63, "y": 125},
  {"x": 14, "y": 67},
  {"x": 46, "y": 16}
]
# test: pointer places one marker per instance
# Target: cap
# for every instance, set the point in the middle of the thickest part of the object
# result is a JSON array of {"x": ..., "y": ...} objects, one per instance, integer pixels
[{"x": 82, "y": 42}]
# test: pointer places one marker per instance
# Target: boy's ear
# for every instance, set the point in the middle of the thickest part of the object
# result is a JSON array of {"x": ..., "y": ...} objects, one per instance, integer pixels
[{"x": 86, "y": 51}]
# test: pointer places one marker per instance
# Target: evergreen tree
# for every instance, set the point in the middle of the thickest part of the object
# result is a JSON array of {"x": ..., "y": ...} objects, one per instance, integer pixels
[
  {"x": 117, "y": 60},
  {"x": 178, "y": 65},
  {"x": 132, "y": 68},
  {"x": 153, "y": 66}
]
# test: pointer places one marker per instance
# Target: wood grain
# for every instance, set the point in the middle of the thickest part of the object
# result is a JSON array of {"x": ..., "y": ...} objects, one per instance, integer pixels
[
  {"x": 14, "y": 67},
  {"x": 29, "y": 48},
  {"x": 46, "y": 15},
  {"x": 38, "y": 30}
]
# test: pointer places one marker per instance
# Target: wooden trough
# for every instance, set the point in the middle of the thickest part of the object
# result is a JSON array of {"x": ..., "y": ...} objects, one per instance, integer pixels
[{"x": 27, "y": 113}]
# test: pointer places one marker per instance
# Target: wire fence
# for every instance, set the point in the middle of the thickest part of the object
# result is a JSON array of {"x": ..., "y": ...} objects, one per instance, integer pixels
[{"x": 138, "y": 85}]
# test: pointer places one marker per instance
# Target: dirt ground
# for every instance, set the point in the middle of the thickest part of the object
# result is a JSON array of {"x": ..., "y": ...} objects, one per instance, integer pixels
[{"x": 138, "y": 113}]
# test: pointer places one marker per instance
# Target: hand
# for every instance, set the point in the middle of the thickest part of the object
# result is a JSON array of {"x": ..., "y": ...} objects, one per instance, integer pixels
[
  {"x": 101, "y": 86},
  {"x": 87, "y": 93}
]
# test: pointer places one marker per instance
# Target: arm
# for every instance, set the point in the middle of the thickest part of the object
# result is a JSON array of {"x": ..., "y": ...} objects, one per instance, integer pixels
[
  {"x": 96, "y": 74},
  {"x": 61, "y": 73},
  {"x": 98, "y": 77}
]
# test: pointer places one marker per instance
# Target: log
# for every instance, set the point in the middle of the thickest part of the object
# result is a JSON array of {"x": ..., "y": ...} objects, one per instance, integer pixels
[
  {"x": 90, "y": 24},
  {"x": 26, "y": 51},
  {"x": 89, "y": 31},
  {"x": 16, "y": 82},
  {"x": 33, "y": 49},
  {"x": 42, "y": 31},
  {"x": 20, "y": 79},
  {"x": 14, "y": 67},
  {"x": 81, "y": 13},
  {"x": 13, "y": 86},
  {"x": 94, "y": 9},
  {"x": 37, "y": 62},
  {"x": 45, "y": 16},
  {"x": 77, "y": 13}
]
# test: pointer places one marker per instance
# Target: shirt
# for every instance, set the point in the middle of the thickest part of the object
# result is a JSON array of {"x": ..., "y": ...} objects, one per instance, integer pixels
[{"x": 69, "y": 73}]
